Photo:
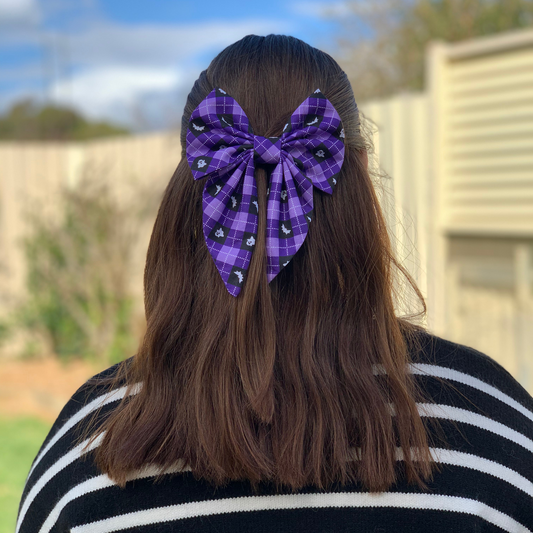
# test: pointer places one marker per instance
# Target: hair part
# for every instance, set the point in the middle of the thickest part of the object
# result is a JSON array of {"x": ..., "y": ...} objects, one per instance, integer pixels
[{"x": 278, "y": 384}]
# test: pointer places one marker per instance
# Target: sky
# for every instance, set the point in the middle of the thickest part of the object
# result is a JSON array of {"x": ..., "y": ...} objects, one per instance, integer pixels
[{"x": 133, "y": 62}]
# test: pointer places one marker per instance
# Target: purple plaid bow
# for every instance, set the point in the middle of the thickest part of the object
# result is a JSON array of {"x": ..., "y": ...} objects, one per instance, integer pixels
[{"x": 221, "y": 147}]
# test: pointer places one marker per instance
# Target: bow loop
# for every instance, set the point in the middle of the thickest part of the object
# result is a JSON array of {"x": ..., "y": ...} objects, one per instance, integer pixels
[{"x": 222, "y": 148}]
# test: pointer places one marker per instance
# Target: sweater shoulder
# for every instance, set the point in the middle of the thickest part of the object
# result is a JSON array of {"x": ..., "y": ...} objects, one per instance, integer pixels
[
  {"x": 111, "y": 378},
  {"x": 107, "y": 387},
  {"x": 461, "y": 359}
]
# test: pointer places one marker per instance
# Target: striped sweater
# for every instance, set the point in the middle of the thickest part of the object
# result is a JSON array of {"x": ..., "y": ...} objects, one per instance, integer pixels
[{"x": 485, "y": 482}]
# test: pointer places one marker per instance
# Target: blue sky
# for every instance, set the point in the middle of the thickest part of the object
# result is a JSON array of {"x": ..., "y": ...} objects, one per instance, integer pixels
[{"x": 133, "y": 61}]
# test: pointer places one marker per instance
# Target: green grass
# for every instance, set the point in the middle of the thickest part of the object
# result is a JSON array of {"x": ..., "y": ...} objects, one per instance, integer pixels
[{"x": 20, "y": 440}]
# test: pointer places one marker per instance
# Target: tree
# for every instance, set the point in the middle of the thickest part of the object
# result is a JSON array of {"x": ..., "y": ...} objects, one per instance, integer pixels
[
  {"x": 387, "y": 56},
  {"x": 26, "y": 121}
]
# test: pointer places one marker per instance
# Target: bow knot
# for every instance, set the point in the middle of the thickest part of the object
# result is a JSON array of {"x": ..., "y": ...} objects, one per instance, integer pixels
[{"x": 267, "y": 150}]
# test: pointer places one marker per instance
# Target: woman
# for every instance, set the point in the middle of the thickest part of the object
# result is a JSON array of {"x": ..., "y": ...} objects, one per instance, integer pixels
[{"x": 275, "y": 389}]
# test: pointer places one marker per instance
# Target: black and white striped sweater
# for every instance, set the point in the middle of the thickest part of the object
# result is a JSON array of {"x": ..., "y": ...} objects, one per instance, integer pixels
[{"x": 485, "y": 483}]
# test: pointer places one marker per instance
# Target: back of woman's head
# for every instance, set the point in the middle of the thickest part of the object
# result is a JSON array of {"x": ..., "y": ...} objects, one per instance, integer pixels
[{"x": 280, "y": 382}]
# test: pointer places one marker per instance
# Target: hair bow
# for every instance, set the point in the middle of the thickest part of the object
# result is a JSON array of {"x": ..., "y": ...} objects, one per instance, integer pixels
[{"x": 222, "y": 148}]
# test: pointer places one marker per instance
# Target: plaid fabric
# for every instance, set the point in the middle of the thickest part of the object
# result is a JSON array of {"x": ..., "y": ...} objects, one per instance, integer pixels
[{"x": 222, "y": 149}]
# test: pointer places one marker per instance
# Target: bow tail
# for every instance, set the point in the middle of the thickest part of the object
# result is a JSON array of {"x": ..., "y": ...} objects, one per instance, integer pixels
[
  {"x": 230, "y": 214},
  {"x": 289, "y": 212}
]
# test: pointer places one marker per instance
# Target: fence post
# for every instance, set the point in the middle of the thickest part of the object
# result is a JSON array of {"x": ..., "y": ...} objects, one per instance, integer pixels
[
  {"x": 435, "y": 72},
  {"x": 524, "y": 322}
]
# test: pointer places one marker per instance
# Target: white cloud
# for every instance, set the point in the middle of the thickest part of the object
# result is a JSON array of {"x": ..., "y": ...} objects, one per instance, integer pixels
[
  {"x": 102, "y": 92},
  {"x": 160, "y": 44},
  {"x": 120, "y": 65},
  {"x": 19, "y": 11},
  {"x": 321, "y": 9},
  {"x": 111, "y": 43}
]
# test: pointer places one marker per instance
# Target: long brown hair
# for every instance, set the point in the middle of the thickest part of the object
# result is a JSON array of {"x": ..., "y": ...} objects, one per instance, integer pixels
[{"x": 278, "y": 384}]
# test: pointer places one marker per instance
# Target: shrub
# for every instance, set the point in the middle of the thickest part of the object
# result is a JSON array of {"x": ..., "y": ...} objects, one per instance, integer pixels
[{"x": 78, "y": 268}]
